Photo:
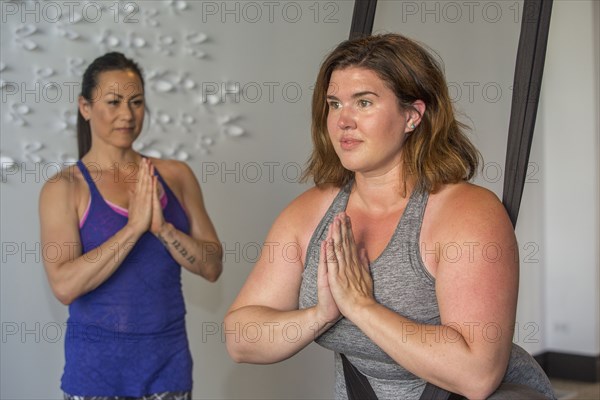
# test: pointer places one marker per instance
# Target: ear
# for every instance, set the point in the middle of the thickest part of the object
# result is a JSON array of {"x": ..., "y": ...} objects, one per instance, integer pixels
[
  {"x": 414, "y": 116},
  {"x": 85, "y": 108}
]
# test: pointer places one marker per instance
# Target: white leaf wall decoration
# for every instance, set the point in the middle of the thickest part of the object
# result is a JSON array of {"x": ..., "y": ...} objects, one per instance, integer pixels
[{"x": 164, "y": 39}]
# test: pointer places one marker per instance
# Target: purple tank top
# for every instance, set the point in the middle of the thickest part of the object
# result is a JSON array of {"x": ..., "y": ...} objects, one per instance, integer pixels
[{"x": 127, "y": 337}]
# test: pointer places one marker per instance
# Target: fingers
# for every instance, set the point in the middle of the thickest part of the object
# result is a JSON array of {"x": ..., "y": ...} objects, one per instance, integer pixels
[
  {"x": 154, "y": 189},
  {"x": 328, "y": 309},
  {"x": 140, "y": 198},
  {"x": 143, "y": 186},
  {"x": 344, "y": 244},
  {"x": 348, "y": 269},
  {"x": 338, "y": 240},
  {"x": 147, "y": 177},
  {"x": 364, "y": 258},
  {"x": 351, "y": 243},
  {"x": 154, "y": 195},
  {"x": 322, "y": 269},
  {"x": 141, "y": 174},
  {"x": 331, "y": 259}
]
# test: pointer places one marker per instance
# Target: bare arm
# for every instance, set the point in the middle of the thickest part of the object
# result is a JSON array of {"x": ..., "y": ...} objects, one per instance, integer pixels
[
  {"x": 199, "y": 252},
  {"x": 269, "y": 299},
  {"x": 468, "y": 353},
  {"x": 71, "y": 273}
]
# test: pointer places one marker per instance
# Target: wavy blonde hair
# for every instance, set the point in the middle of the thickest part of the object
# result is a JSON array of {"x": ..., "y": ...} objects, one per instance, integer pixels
[{"x": 437, "y": 152}]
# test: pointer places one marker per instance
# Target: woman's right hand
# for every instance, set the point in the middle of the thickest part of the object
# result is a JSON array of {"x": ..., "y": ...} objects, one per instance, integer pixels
[
  {"x": 140, "y": 200},
  {"x": 327, "y": 309}
]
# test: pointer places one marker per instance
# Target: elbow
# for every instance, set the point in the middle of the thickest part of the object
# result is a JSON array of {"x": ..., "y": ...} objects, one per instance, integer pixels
[
  {"x": 232, "y": 342},
  {"x": 63, "y": 295},
  {"x": 214, "y": 273},
  {"x": 64, "y": 300},
  {"x": 239, "y": 349},
  {"x": 65, "y": 291},
  {"x": 62, "y": 285},
  {"x": 484, "y": 374},
  {"x": 234, "y": 354},
  {"x": 480, "y": 391},
  {"x": 215, "y": 262},
  {"x": 482, "y": 387}
]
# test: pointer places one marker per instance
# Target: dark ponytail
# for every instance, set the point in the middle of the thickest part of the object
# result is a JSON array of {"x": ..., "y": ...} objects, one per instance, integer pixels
[{"x": 109, "y": 62}]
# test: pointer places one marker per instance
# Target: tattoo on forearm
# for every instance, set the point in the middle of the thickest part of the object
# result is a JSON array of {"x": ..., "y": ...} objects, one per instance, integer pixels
[
  {"x": 179, "y": 247},
  {"x": 163, "y": 240}
]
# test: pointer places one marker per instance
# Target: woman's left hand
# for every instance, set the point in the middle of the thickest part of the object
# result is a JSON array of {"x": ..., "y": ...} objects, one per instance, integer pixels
[
  {"x": 158, "y": 220},
  {"x": 348, "y": 269}
]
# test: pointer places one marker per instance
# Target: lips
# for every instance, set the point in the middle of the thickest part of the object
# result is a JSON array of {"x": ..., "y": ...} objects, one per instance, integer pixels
[{"x": 348, "y": 143}]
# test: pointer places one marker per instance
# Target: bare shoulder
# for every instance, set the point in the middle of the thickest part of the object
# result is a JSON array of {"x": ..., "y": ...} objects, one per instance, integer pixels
[
  {"x": 180, "y": 178},
  {"x": 64, "y": 185},
  {"x": 63, "y": 198},
  {"x": 466, "y": 215},
  {"x": 172, "y": 169},
  {"x": 466, "y": 201}
]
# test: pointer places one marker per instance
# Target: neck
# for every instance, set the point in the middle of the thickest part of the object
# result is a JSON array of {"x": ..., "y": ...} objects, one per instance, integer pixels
[
  {"x": 108, "y": 158},
  {"x": 382, "y": 193}
]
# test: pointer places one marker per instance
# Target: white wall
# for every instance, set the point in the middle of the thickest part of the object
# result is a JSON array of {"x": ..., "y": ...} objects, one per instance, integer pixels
[{"x": 570, "y": 129}]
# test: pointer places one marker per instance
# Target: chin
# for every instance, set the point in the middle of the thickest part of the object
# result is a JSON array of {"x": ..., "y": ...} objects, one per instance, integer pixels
[
  {"x": 352, "y": 166},
  {"x": 126, "y": 145}
]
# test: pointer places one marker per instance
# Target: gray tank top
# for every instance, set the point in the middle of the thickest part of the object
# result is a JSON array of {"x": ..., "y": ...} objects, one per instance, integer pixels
[{"x": 401, "y": 283}]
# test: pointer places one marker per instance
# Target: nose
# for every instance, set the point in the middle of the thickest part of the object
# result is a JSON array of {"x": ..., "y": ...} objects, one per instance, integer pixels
[
  {"x": 127, "y": 111},
  {"x": 346, "y": 119}
]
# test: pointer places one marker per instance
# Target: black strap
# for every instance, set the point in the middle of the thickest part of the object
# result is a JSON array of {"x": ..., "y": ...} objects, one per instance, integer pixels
[
  {"x": 359, "y": 388},
  {"x": 433, "y": 392},
  {"x": 529, "y": 67},
  {"x": 357, "y": 385},
  {"x": 362, "y": 18}
]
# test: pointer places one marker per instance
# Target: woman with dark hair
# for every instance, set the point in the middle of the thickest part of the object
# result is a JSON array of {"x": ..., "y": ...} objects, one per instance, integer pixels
[
  {"x": 407, "y": 272},
  {"x": 124, "y": 224}
]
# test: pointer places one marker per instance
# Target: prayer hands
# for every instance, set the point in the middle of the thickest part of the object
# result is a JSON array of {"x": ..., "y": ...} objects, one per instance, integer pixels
[
  {"x": 344, "y": 279},
  {"x": 145, "y": 212}
]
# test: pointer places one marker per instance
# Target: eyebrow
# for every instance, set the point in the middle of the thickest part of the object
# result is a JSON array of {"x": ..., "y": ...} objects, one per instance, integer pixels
[
  {"x": 355, "y": 95},
  {"x": 120, "y": 96}
]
